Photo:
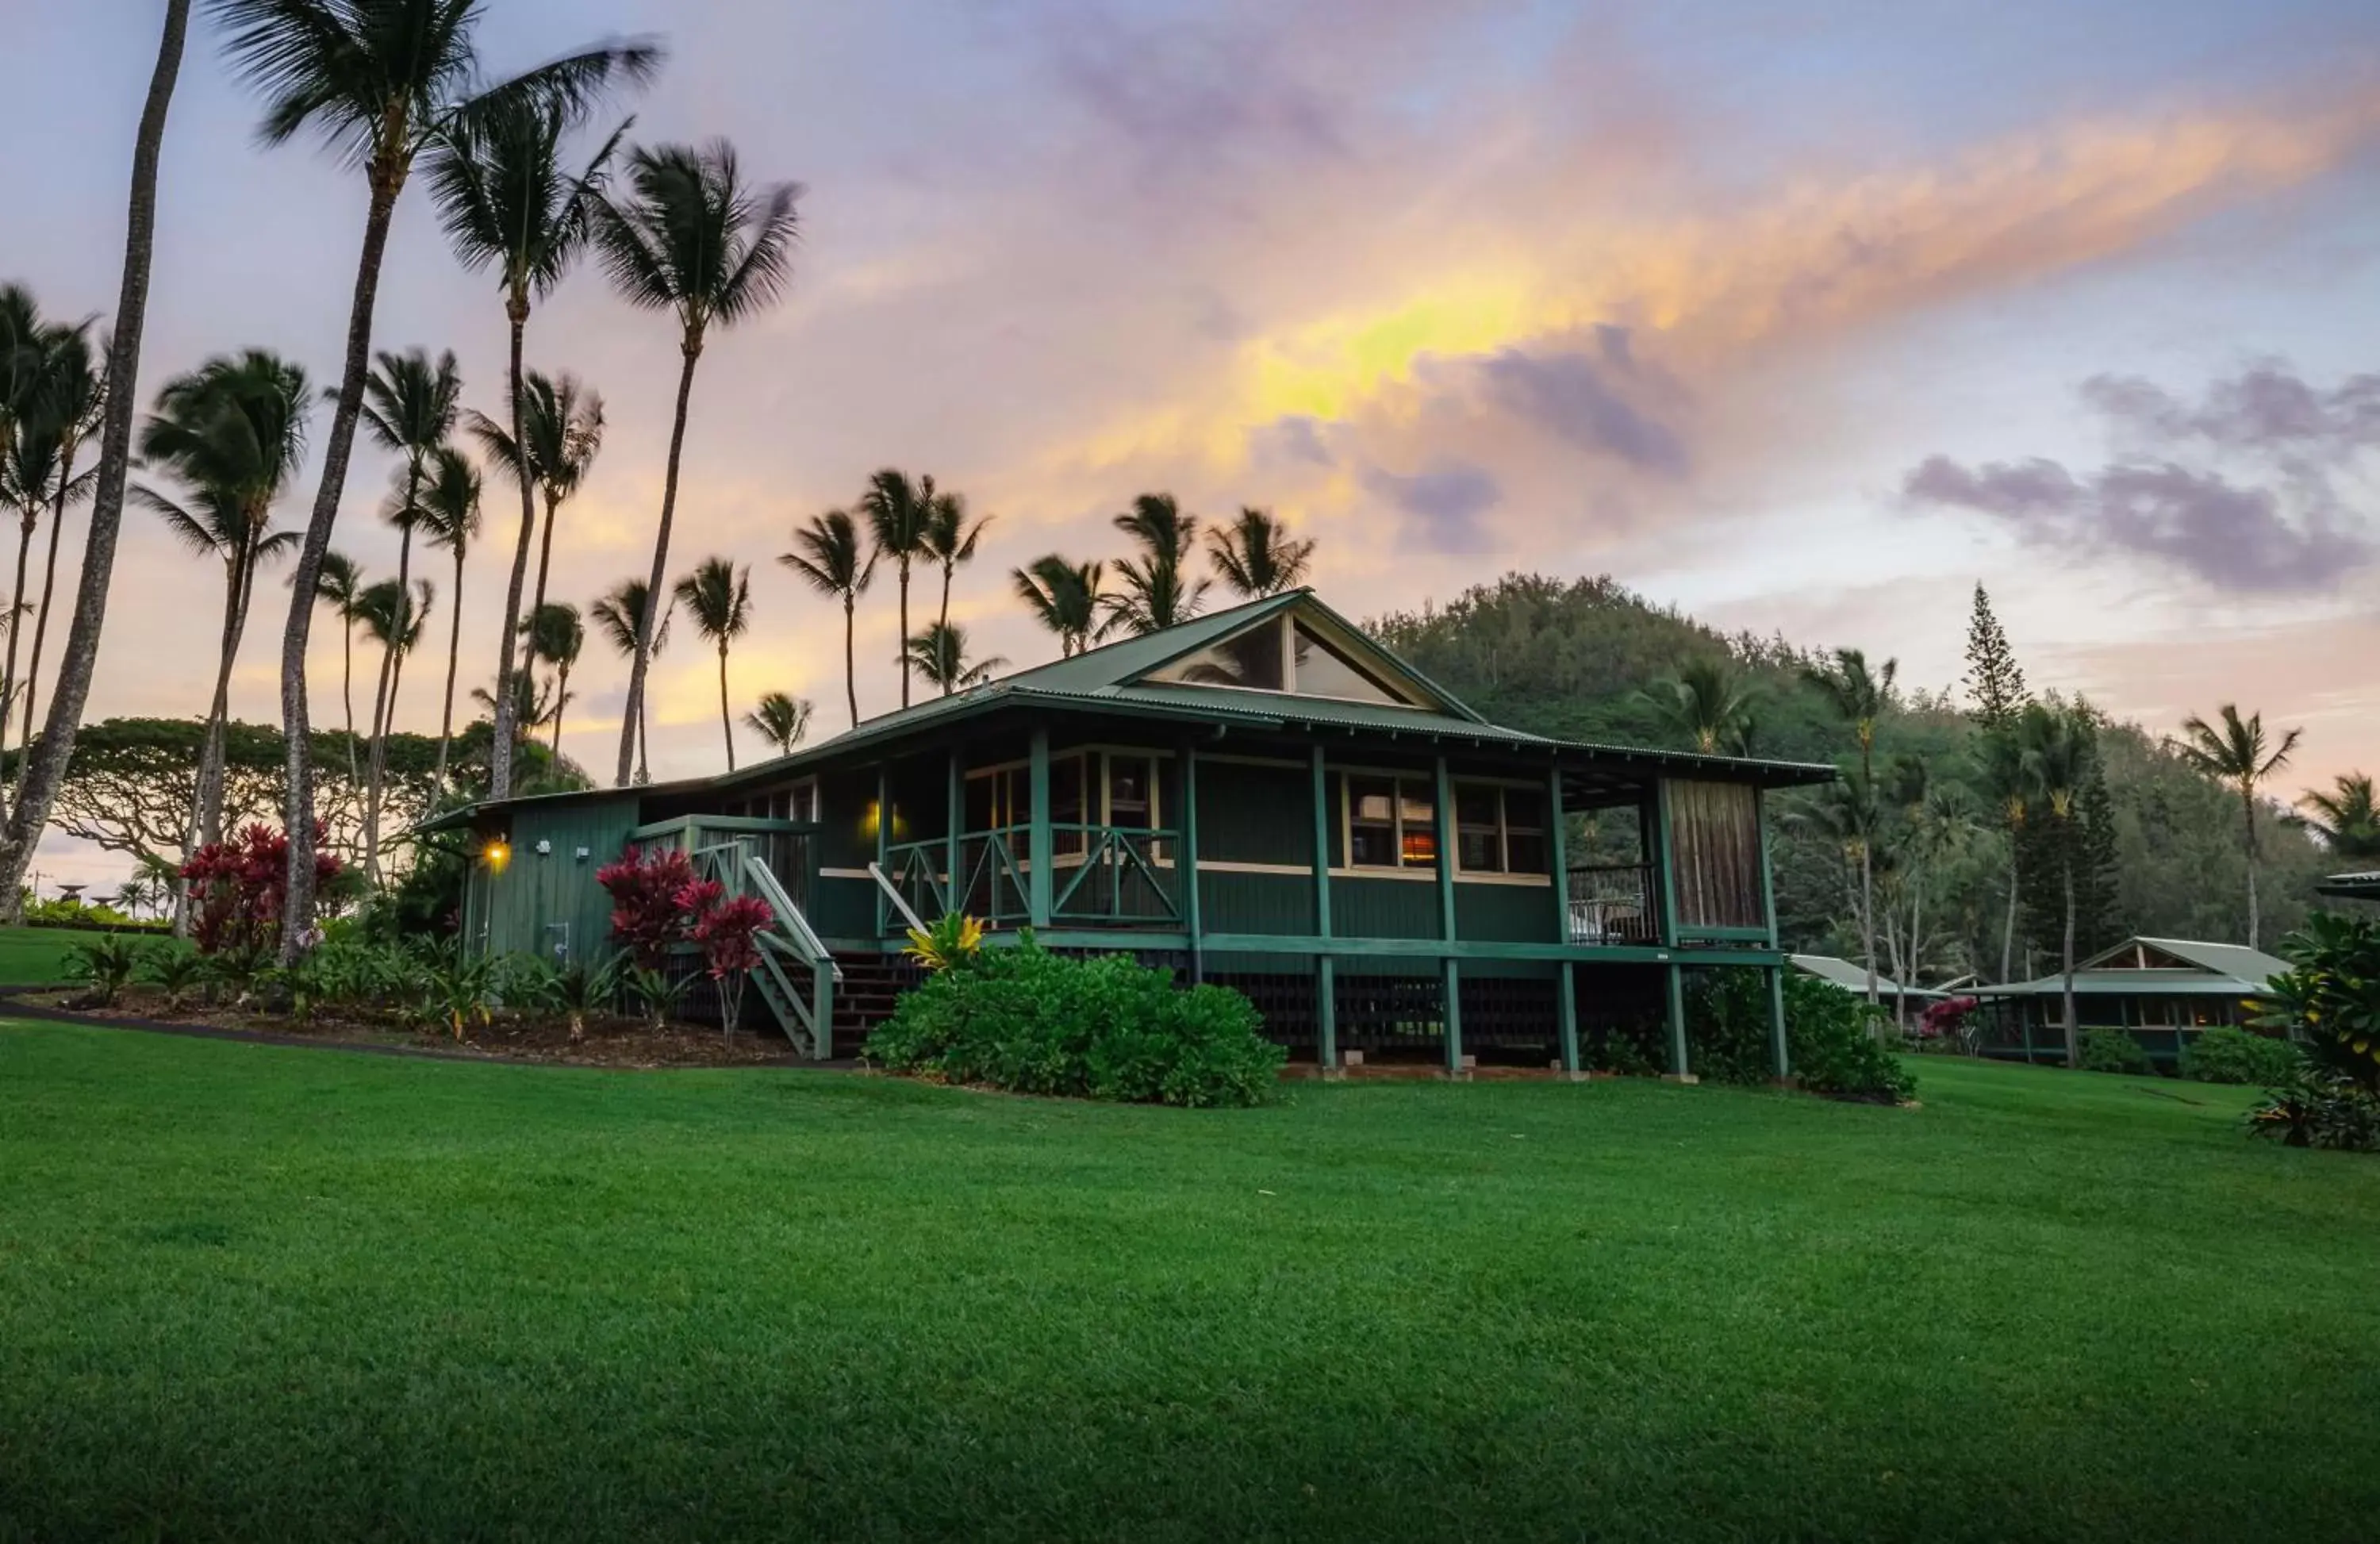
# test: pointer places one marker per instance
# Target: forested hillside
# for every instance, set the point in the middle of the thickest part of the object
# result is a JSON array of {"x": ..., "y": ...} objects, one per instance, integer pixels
[{"x": 2159, "y": 846}]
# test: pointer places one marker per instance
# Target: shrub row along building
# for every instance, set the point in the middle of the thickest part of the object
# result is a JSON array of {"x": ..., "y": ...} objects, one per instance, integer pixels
[{"x": 1263, "y": 796}]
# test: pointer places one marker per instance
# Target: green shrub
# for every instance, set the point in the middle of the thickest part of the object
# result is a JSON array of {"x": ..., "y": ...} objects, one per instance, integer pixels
[
  {"x": 104, "y": 964},
  {"x": 1105, "y": 1028},
  {"x": 2329, "y": 998},
  {"x": 2228, "y": 1055},
  {"x": 176, "y": 967},
  {"x": 2320, "y": 1108},
  {"x": 2113, "y": 1051},
  {"x": 1831, "y": 1035}
]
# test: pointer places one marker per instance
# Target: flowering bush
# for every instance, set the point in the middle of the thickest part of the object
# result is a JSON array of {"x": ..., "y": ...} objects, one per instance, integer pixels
[
  {"x": 728, "y": 929},
  {"x": 240, "y": 888},
  {"x": 646, "y": 917}
]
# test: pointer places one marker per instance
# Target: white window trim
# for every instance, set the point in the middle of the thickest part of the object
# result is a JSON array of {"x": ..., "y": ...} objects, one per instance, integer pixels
[
  {"x": 1503, "y": 832},
  {"x": 1397, "y": 801}
]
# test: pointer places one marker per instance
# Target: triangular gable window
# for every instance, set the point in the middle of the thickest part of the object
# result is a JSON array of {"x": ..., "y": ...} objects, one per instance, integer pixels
[{"x": 1283, "y": 655}]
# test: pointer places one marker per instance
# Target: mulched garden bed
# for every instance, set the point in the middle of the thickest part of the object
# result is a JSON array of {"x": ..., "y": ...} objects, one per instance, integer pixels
[{"x": 610, "y": 1042}]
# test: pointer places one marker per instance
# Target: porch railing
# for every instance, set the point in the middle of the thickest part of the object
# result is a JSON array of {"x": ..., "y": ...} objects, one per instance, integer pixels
[
  {"x": 1614, "y": 903},
  {"x": 1099, "y": 875}
]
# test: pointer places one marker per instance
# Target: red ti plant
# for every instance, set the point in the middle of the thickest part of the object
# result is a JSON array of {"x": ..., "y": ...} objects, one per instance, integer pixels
[
  {"x": 729, "y": 930},
  {"x": 240, "y": 888},
  {"x": 646, "y": 915}
]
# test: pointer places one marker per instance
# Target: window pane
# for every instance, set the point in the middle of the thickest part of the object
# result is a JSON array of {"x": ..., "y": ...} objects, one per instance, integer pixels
[
  {"x": 1066, "y": 790},
  {"x": 1253, "y": 659},
  {"x": 1371, "y": 798},
  {"x": 978, "y": 803},
  {"x": 1479, "y": 851},
  {"x": 1419, "y": 817},
  {"x": 1372, "y": 846},
  {"x": 1527, "y": 852},
  {"x": 1475, "y": 806},
  {"x": 1414, "y": 804},
  {"x": 1524, "y": 809},
  {"x": 1128, "y": 783},
  {"x": 1322, "y": 671},
  {"x": 1420, "y": 846}
]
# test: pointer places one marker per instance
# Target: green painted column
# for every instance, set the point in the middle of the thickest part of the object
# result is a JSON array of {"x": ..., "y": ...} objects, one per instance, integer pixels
[
  {"x": 1566, "y": 984},
  {"x": 1041, "y": 847},
  {"x": 1325, "y": 969},
  {"x": 883, "y": 843},
  {"x": 1452, "y": 982},
  {"x": 1664, "y": 862},
  {"x": 955, "y": 853},
  {"x": 1185, "y": 861},
  {"x": 1780, "y": 1059},
  {"x": 1676, "y": 986}
]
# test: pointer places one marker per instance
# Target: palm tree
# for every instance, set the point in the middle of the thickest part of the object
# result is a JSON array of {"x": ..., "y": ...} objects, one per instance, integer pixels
[
  {"x": 621, "y": 615},
  {"x": 718, "y": 596},
  {"x": 68, "y": 410},
  {"x": 2239, "y": 755},
  {"x": 940, "y": 654},
  {"x": 1707, "y": 703},
  {"x": 450, "y": 520},
  {"x": 2056, "y": 751},
  {"x": 898, "y": 509},
  {"x": 22, "y": 357},
  {"x": 533, "y": 706},
  {"x": 556, "y": 635},
  {"x": 380, "y": 80},
  {"x": 340, "y": 585},
  {"x": 1158, "y": 592},
  {"x": 694, "y": 239},
  {"x": 2346, "y": 818},
  {"x": 1256, "y": 555},
  {"x": 782, "y": 719},
  {"x": 829, "y": 555},
  {"x": 1859, "y": 697},
  {"x": 564, "y": 421},
  {"x": 393, "y": 617},
  {"x": 411, "y": 405},
  {"x": 1066, "y": 598},
  {"x": 234, "y": 433},
  {"x": 45, "y": 771},
  {"x": 506, "y": 199},
  {"x": 950, "y": 539}
]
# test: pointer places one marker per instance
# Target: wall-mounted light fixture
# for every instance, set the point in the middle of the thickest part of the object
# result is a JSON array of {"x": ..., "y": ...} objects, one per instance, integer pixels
[{"x": 496, "y": 854}]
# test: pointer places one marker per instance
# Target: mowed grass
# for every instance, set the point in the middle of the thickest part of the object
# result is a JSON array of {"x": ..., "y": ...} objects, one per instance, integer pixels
[
  {"x": 257, "y": 1292},
  {"x": 37, "y": 957}
]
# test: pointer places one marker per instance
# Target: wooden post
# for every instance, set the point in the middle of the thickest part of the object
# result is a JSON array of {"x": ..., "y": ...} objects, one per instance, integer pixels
[
  {"x": 883, "y": 842},
  {"x": 1566, "y": 986},
  {"x": 1780, "y": 1060},
  {"x": 1452, "y": 977},
  {"x": 956, "y": 853},
  {"x": 1185, "y": 861},
  {"x": 1326, "y": 971},
  {"x": 1041, "y": 847},
  {"x": 1677, "y": 1004},
  {"x": 823, "y": 1009},
  {"x": 1665, "y": 863}
]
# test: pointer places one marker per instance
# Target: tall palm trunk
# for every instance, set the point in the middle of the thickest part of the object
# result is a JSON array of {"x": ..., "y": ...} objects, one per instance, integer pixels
[
  {"x": 41, "y": 776},
  {"x": 2248, "y": 808},
  {"x": 2007, "y": 927},
  {"x": 726, "y": 721},
  {"x": 943, "y": 621},
  {"x": 561, "y": 701},
  {"x": 454, "y": 658},
  {"x": 905, "y": 631},
  {"x": 500, "y": 753},
  {"x": 2074, "y": 1036},
  {"x": 203, "y": 793},
  {"x": 347, "y": 695},
  {"x": 49, "y": 588},
  {"x": 544, "y": 551},
  {"x": 644, "y": 748},
  {"x": 656, "y": 591},
  {"x": 384, "y": 693},
  {"x": 8, "y": 682},
  {"x": 298, "y": 915},
  {"x": 850, "y": 660}
]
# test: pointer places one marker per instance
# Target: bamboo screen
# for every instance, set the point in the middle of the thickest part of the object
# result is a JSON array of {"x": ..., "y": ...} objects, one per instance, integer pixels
[{"x": 1715, "y": 837}]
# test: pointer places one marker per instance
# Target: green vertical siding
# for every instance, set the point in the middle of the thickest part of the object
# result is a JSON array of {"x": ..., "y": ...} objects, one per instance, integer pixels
[
  {"x": 538, "y": 894},
  {"x": 1254, "y": 815},
  {"x": 1504, "y": 913},
  {"x": 1237, "y": 903},
  {"x": 1383, "y": 909}
]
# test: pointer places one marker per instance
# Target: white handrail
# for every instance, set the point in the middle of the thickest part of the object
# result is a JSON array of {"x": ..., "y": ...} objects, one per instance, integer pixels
[
  {"x": 789, "y": 914},
  {"x": 883, "y": 883}
]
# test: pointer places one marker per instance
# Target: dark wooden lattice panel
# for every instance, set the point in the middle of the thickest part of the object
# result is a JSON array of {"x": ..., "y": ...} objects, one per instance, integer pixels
[
  {"x": 1512, "y": 1012},
  {"x": 1390, "y": 1013},
  {"x": 1286, "y": 1002}
]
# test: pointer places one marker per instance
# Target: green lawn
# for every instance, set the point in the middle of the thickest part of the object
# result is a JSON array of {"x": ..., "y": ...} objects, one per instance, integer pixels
[
  {"x": 36, "y": 956},
  {"x": 264, "y": 1292}
]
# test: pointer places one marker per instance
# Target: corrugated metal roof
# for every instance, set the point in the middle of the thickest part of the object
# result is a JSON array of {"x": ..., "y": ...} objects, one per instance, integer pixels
[
  {"x": 1853, "y": 977},
  {"x": 2353, "y": 887},
  {"x": 2214, "y": 969}
]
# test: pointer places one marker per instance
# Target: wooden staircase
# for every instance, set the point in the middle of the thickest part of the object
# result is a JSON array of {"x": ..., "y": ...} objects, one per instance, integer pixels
[{"x": 871, "y": 984}]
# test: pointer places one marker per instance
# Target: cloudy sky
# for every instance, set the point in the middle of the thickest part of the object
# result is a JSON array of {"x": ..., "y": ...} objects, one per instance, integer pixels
[{"x": 1803, "y": 317}]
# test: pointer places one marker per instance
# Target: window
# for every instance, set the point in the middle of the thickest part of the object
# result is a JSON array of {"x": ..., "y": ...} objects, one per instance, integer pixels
[
  {"x": 1391, "y": 823},
  {"x": 1499, "y": 830},
  {"x": 999, "y": 797},
  {"x": 1252, "y": 658},
  {"x": 1131, "y": 784},
  {"x": 1065, "y": 805},
  {"x": 1321, "y": 671}
]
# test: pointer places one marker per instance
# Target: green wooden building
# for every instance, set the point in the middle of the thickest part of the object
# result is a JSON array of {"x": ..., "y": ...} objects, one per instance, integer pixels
[
  {"x": 2164, "y": 992},
  {"x": 1263, "y": 798}
]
